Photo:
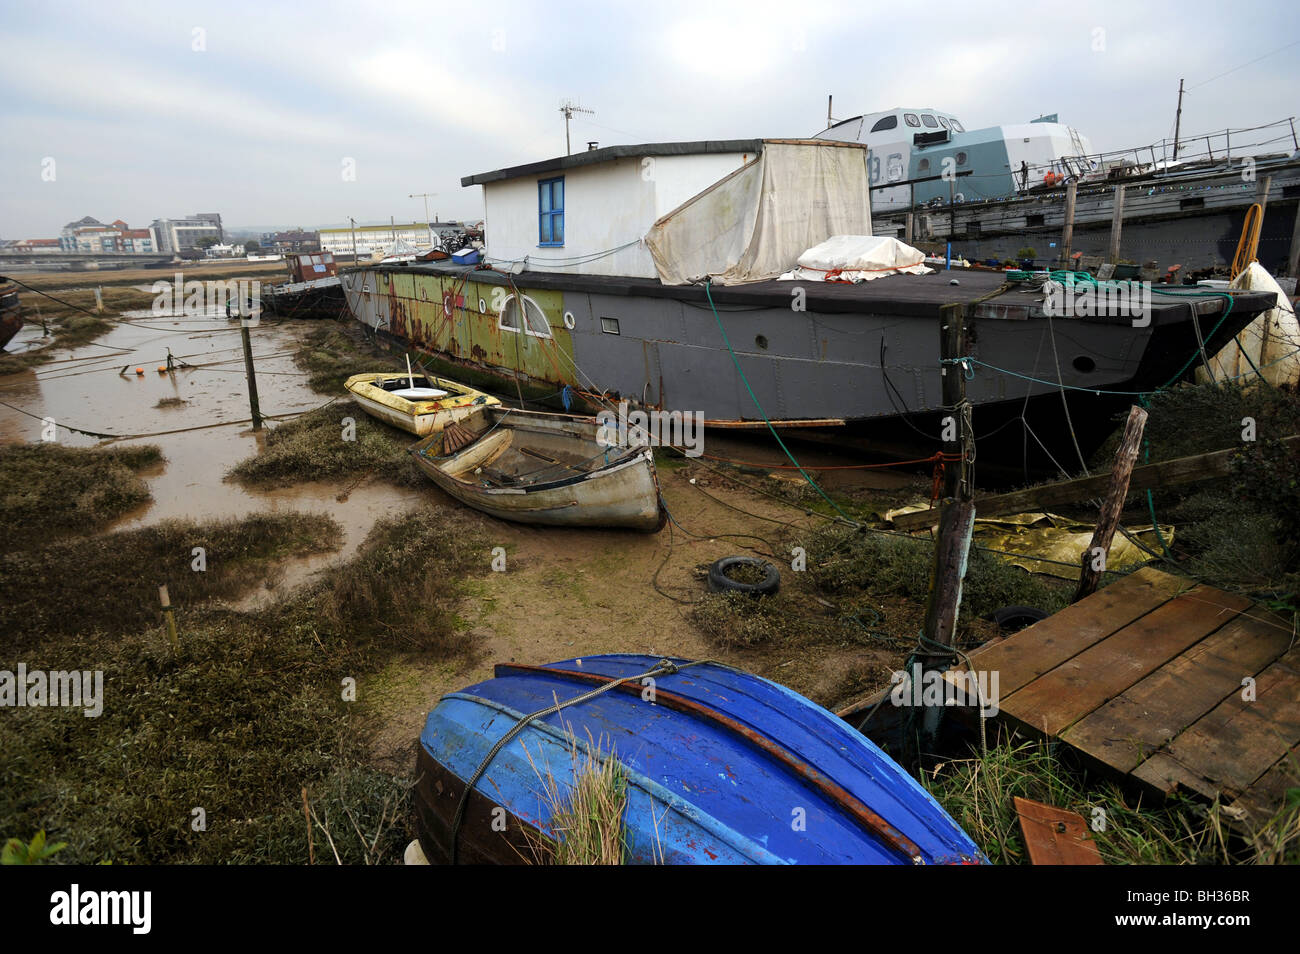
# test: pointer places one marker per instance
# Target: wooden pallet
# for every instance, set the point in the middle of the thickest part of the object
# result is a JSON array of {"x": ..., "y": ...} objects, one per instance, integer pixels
[{"x": 1151, "y": 679}]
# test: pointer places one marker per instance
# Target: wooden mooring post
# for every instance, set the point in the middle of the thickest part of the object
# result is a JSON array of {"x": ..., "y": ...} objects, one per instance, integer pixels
[
  {"x": 1093, "y": 560},
  {"x": 253, "y": 406},
  {"x": 1067, "y": 234},
  {"x": 1116, "y": 223},
  {"x": 957, "y": 522}
]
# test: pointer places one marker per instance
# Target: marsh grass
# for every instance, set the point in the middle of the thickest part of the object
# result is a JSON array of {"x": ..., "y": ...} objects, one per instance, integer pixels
[
  {"x": 332, "y": 353},
  {"x": 249, "y": 712},
  {"x": 586, "y": 808},
  {"x": 108, "y": 584},
  {"x": 312, "y": 447},
  {"x": 979, "y": 792},
  {"x": 50, "y": 489}
]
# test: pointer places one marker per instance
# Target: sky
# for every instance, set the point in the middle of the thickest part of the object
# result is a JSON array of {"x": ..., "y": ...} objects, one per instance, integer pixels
[{"x": 306, "y": 114}]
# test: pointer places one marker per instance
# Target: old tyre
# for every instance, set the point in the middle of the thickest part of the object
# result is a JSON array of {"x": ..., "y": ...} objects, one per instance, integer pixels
[
  {"x": 1012, "y": 619},
  {"x": 720, "y": 582}
]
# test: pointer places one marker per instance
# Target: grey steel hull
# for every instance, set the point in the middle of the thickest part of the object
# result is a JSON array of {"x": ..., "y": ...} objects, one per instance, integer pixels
[{"x": 857, "y": 355}]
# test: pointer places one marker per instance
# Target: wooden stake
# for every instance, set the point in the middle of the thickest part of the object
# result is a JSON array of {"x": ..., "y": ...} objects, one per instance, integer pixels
[
  {"x": 1067, "y": 235},
  {"x": 170, "y": 618},
  {"x": 952, "y": 345},
  {"x": 1125, "y": 457},
  {"x": 256, "y": 411},
  {"x": 1265, "y": 184},
  {"x": 951, "y": 551},
  {"x": 306, "y": 813},
  {"x": 99, "y": 299},
  {"x": 1116, "y": 223}
]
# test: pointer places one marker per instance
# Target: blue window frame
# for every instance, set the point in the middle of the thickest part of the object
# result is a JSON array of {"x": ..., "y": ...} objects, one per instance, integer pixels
[{"x": 550, "y": 211}]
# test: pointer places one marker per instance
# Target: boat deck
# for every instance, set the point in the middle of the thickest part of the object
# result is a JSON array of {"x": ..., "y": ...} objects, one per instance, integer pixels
[{"x": 1170, "y": 684}]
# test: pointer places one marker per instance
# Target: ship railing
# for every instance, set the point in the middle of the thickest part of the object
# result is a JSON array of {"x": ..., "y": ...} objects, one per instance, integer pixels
[{"x": 1205, "y": 148}]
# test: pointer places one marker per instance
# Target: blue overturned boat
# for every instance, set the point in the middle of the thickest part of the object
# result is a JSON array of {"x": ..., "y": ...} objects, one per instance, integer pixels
[{"x": 722, "y": 767}]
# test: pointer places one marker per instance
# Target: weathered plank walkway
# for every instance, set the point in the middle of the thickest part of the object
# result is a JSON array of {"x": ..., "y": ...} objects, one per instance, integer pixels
[{"x": 1173, "y": 684}]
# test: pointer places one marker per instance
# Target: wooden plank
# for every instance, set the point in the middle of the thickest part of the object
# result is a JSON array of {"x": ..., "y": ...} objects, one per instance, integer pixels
[
  {"x": 1167, "y": 473},
  {"x": 1267, "y": 795},
  {"x": 1135, "y": 724},
  {"x": 1054, "y": 836},
  {"x": 1101, "y": 672},
  {"x": 1038, "y": 649},
  {"x": 1237, "y": 742}
]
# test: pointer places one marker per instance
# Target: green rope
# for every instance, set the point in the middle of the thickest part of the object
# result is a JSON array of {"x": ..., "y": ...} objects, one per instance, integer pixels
[{"x": 741, "y": 372}]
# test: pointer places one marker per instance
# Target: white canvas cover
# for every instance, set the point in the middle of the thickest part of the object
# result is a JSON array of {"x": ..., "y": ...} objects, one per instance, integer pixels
[
  {"x": 858, "y": 258},
  {"x": 753, "y": 225},
  {"x": 1272, "y": 340}
]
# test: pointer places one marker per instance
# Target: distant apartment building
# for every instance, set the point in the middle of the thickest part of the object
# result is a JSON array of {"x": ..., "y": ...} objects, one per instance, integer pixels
[
  {"x": 177, "y": 235},
  {"x": 89, "y": 235},
  {"x": 294, "y": 240}
]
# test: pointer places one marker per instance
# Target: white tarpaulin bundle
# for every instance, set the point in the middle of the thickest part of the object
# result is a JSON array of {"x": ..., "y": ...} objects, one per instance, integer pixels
[
  {"x": 858, "y": 258},
  {"x": 1272, "y": 340},
  {"x": 754, "y": 224}
]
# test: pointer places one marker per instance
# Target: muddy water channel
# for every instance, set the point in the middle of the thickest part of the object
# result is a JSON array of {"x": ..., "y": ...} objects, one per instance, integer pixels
[{"x": 95, "y": 388}]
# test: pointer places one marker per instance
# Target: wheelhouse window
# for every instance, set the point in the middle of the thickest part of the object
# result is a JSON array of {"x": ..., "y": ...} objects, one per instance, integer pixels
[
  {"x": 943, "y": 122},
  {"x": 911, "y": 120},
  {"x": 930, "y": 121},
  {"x": 957, "y": 127},
  {"x": 534, "y": 317},
  {"x": 888, "y": 122},
  {"x": 550, "y": 211}
]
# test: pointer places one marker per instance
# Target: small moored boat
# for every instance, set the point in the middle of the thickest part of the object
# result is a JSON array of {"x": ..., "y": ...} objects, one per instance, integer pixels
[
  {"x": 720, "y": 767},
  {"x": 420, "y": 404},
  {"x": 534, "y": 467}
]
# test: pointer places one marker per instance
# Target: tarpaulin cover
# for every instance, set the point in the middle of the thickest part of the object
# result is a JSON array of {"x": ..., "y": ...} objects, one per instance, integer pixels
[
  {"x": 1271, "y": 341},
  {"x": 754, "y": 224},
  {"x": 858, "y": 258}
]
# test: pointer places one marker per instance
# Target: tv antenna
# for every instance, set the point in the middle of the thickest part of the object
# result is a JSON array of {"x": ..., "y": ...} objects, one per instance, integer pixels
[{"x": 568, "y": 107}]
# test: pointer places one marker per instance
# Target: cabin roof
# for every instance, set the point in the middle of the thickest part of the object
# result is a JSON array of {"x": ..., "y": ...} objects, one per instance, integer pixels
[{"x": 592, "y": 156}]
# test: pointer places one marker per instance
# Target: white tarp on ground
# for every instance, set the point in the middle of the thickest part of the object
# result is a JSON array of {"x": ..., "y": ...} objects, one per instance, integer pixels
[
  {"x": 1272, "y": 340},
  {"x": 858, "y": 258},
  {"x": 754, "y": 224}
]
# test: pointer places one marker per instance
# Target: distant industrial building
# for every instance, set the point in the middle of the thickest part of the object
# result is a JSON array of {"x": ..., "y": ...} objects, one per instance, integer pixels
[{"x": 382, "y": 238}]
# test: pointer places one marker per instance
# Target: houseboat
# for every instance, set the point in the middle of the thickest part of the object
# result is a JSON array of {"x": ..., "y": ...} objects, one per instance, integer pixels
[{"x": 652, "y": 274}]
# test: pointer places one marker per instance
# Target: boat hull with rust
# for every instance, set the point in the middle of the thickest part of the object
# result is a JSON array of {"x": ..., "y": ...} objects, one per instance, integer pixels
[
  {"x": 540, "y": 468},
  {"x": 721, "y": 767}
]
